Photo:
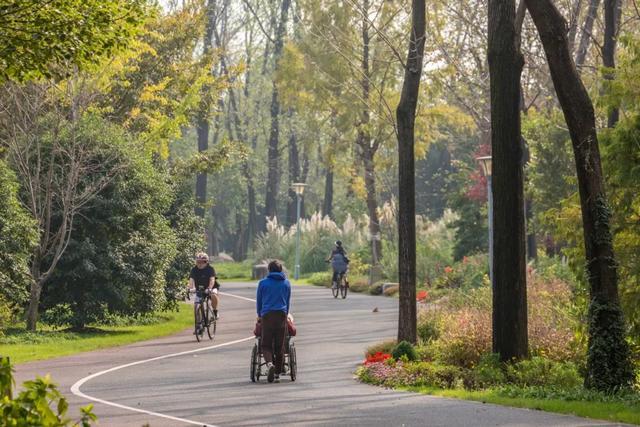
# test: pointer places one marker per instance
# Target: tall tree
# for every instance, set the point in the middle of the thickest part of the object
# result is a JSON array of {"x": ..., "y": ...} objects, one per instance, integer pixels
[
  {"x": 368, "y": 145},
  {"x": 611, "y": 23},
  {"x": 509, "y": 253},
  {"x": 608, "y": 363},
  {"x": 406, "y": 117},
  {"x": 273, "y": 154},
  {"x": 587, "y": 33},
  {"x": 202, "y": 124}
]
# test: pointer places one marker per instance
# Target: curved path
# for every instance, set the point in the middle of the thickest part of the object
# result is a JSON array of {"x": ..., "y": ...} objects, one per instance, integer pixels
[{"x": 177, "y": 382}]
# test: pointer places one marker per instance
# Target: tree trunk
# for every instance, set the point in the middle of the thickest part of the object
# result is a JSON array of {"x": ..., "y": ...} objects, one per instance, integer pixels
[
  {"x": 214, "y": 240},
  {"x": 406, "y": 116},
  {"x": 608, "y": 363},
  {"x": 587, "y": 29},
  {"x": 611, "y": 16},
  {"x": 532, "y": 244},
  {"x": 573, "y": 23},
  {"x": 203, "y": 116},
  {"x": 294, "y": 175},
  {"x": 34, "y": 295},
  {"x": 273, "y": 155},
  {"x": 368, "y": 149},
  {"x": 327, "y": 205},
  {"x": 372, "y": 201},
  {"x": 509, "y": 260}
]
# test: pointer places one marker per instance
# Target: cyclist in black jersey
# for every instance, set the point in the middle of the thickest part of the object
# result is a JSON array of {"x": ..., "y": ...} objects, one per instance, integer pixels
[{"x": 203, "y": 277}]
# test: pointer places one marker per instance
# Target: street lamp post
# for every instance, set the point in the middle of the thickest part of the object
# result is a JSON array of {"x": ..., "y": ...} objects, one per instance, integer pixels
[
  {"x": 485, "y": 163},
  {"x": 298, "y": 188}
]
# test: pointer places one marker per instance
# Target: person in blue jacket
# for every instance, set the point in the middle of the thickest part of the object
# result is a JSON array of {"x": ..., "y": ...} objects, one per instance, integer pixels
[{"x": 272, "y": 304}]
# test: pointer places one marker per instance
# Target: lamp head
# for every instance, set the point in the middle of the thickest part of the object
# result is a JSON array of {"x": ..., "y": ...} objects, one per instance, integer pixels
[
  {"x": 485, "y": 164},
  {"x": 298, "y": 188}
]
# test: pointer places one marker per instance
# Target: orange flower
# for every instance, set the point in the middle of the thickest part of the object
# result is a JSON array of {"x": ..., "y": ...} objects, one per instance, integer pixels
[
  {"x": 422, "y": 295},
  {"x": 448, "y": 269}
]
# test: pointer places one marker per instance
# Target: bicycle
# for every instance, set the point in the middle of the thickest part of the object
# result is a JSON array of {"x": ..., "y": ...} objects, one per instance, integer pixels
[
  {"x": 342, "y": 287},
  {"x": 203, "y": 314}
]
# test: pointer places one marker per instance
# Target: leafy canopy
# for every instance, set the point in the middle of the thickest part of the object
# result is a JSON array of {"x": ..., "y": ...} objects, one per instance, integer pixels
[{"x": 43, "y": 38}]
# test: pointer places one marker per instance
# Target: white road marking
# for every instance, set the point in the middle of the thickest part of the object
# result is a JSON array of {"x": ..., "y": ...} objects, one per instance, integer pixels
[
  {"x": 75, "y": 389},
  {"x": 237, "y": 296}
]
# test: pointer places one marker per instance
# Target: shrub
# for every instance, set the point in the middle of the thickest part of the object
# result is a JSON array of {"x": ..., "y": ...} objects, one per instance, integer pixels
[
  {"x": 376, "y": 288},
  {"x": 404, "y": 349},
  {"x": 382, "y": 347},
  {"x": 465, "y": 338},
  {"x": 58, "y": 316},
  {"x": 391, "y": 290},
  {"x": 321, "y": 279},
  {"x": 552, "y": 320},
  {"x": 539, "y": 371},
  {"x": 449, "y": 376},
  {"x": 465, "y": 333},
  {"x": 5, "y": 314},
  {"x": 39, "y": 404},
  {"x": 426, "y": 353},
  {"x": 469, "y": 273},
  {"x": 429, "y": 326},
  {"x": 434, "y": 247},
  {"x": 432, "y": 375},
  {"x": 489, "y": 371},
  {"x": 359, "y": 284},
  {"x": 18, "y": 238}
]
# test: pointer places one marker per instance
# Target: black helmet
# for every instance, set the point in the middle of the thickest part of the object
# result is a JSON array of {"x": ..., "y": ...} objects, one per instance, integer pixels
[{"x": 338, "y": 243}]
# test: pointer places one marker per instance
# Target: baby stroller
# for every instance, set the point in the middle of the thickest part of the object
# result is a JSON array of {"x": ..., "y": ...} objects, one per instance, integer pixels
[{"x": 257, "y": 360}]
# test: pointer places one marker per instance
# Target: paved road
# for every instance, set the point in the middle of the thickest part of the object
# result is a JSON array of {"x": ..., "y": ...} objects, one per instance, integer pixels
[{"x": 208, "y": 383}]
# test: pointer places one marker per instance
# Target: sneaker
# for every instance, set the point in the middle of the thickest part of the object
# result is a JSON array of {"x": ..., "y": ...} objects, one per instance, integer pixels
[
  {"x": 276, "y": 379},
  {"x": 271, "y": 373},
  {"x": 216, "y": 315}
]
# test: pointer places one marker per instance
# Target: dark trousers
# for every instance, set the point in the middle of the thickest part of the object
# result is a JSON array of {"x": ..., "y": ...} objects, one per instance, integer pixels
[{"x": 273, "y": 332}]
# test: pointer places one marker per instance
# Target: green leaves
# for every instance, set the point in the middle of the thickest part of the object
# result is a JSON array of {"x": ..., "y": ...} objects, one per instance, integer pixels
[
  {"x": 49, "y": 39},
  {"x": 39, "y": 404}
]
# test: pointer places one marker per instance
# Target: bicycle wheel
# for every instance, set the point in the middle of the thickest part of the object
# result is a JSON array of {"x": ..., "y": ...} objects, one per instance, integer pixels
[
  {"x": 254, "y": 372},
  {"x": 293, "y": 362},
  {"x": 335, "y": 290},
  {"x": 198, "y": 320},
  {"x": 343, "y": 290},
  {"x": 211, "y": 324}
]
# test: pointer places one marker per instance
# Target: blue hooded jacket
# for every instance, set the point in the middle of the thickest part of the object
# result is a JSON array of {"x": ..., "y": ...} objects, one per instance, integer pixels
[{"x": 274, "y": 294}]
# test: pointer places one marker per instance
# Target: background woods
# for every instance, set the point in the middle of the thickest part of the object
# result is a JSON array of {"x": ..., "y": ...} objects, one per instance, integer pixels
[{"x": 159, "y": 128}]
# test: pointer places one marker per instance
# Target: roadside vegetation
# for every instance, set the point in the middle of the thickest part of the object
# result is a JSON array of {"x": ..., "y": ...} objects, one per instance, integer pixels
[
  {"x": 56, "y": 341},
  {"x": 453, "y": 355},
  {"x": 39, "y": 403}
]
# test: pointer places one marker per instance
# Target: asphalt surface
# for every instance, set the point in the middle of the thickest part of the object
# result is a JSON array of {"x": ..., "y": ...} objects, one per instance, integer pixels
[{"x": 207, "y": 383}]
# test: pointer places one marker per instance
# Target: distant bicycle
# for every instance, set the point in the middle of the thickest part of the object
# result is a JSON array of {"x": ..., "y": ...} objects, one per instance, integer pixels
[
  {"x": 342, "y": 287},
  {"x": 203, "y": 314}
]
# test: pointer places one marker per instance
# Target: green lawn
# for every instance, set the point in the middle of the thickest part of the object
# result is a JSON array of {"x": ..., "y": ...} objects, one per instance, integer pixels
[
  {"x": 234, "y": 271},
  {"x": 22, "y": 346},
  {"x": 610, "y": 411}
]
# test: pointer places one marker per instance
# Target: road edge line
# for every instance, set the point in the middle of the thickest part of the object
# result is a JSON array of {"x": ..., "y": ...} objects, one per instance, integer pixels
[{"x": 75, "y": 388}]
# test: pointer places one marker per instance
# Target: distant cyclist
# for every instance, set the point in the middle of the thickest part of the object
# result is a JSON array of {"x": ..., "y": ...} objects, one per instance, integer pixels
[
  {"x": 203, "y": 277},
  {"x": 339, "y": 263}
]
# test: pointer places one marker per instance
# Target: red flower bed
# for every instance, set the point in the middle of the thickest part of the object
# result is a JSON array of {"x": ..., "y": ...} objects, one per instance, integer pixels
[
  {"x": 422, "y": 296},
  {"x": 377, "y": 358}
]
